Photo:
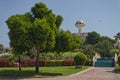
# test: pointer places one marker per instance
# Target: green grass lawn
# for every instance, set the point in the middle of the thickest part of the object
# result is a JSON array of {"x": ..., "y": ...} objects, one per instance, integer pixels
[{"x": 44, "y": 71}]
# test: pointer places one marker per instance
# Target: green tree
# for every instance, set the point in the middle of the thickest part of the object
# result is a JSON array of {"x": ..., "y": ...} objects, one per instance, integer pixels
[
  {"x": 65, "y": 41},
  {"x": 17, "y": 25},
  {"x": 117, "y": 36},
  {"x": 44, "y": 30},
  {"x": 117, "y": 40},
  {"x": 88, "y": 50},
  {"x": 41, "y": 37},
  {"x": 36, "y": 30},
  {"x": 103, "y": 48},
  {"x": 92, "y": 38},
  {"x": 1, "y": 48}
]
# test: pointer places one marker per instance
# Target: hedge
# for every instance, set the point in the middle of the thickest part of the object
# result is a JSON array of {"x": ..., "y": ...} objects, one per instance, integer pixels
[
  {"x": 49, "y": 63},
  {"x": 3, "y": 63},
  {"x": 68, "y": 62},
  {"x": 28, "y": 63},
  {"x": 31, "y": 63}
]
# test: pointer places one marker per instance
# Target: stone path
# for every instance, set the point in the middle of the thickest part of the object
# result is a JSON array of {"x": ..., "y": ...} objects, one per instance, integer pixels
[{"x": 94, "y": 73}]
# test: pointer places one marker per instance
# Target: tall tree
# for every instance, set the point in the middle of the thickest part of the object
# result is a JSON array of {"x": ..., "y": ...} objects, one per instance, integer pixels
[
  {"x": 44, "y": 30},
  {"x": 65, "y": 41},
  {"x": 36, "y": 30},
  {"x": 103, "y": 48},
  {"x": 117, "y": 40},
  {"x": 92, "y": 38},
  {"x": 41, "y": 37},
  {"x": 1, "y": 48},
  {"x": 17, "y": 25}
]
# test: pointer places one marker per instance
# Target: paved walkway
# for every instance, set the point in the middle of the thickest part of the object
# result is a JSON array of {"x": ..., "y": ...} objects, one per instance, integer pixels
[{"x": 94, "y": 73}]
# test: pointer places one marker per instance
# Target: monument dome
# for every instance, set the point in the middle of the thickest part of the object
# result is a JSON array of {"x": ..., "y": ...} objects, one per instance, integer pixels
[{"x": 80, "y": 24}]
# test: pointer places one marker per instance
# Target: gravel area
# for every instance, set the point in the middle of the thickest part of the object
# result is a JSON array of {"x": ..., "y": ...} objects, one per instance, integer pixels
[{"x": 94, "y": 73}]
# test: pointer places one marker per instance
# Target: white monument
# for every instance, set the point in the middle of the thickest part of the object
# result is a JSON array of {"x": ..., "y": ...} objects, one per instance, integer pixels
[{"x": 80, "y": 24}]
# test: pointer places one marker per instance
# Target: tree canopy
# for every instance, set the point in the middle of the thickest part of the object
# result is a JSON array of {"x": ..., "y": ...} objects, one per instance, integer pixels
[
  {"x": 1, "y": 48},
  {"x": 117, "y": 40},
  {"x": 92, "y": 38},
  {"x": 36, "y": 29},
  {"x": 65, "y": 41}
]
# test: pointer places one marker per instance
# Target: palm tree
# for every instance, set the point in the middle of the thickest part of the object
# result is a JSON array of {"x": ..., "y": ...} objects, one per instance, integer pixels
[{"x": 117, "y": 40}]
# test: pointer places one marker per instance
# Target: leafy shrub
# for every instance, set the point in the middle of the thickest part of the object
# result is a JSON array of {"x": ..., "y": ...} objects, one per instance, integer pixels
[
  {"x": 88, "y": 62},
  {"x": 28, "y": 63},
  {"x": 53, "y": 63},
  {"x": 42, "y": 62},
  {"x": 49, "y": 63},
  {"x": 3, "y": 63},
  {"x": 117, "y": 69},
  {"x": 68, "y": 62},
  {"x": 69, "y": 55},
  {"x": 58, "y": 62},
  {"x": 48, "y": 56},
  {"x": 80, "y": 59},
  {"x": 119, "y": 60}
]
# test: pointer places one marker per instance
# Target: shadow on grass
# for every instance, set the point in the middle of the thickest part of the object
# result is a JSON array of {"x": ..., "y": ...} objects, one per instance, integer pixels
[{"x": 10, "y": 74}]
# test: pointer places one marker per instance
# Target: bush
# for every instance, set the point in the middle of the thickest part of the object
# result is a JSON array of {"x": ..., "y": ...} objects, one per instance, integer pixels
[
  {"x": 69, "y": 55},
  {"x": 28, "y": 63},
  {"x": 49, "y": 63},
  {"x": 119, "y": 60},
  {"x": 80, "y": 59},
  {"x": 68, "y": 62},
  {"x": 58, "y": 62},
  {"x": 88, "y": 62},
  {"x": 117, "y": 69},
  {"x": 3, "y": 63},
  {"x": 42, "y": 62}
]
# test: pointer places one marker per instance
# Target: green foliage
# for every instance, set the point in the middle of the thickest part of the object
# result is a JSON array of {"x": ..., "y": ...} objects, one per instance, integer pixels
[
  {"x": 40, "y": 10},
  {"x": 36, "y": 30},
  {"x": 65, "y": 41},
  {"x": 89, "y": 62},
  {"x": 95, "y": 43},
  {"x": 59, "y": 20},
  {"x": 69, "y": 55},
  {"x": 119, "y": 60},
  {"x": 1, "y": 48},
  {"x": 6, "y": 56},
  {"x": 59, "y": 62},
  {"x": 48, "y": 56},
  {"x": 18, "y": 33},
  {"x": 117, "y": 69},
  {"x": 40, "y": 33},
  {"x": 117, "y": 38},
  {"x": 92, "y": 38},
  {"x": 53, "y": 63},
  {"x": 103, "y": 48},
  {"x": 80, "y": 59},
  {"x": 88, "y": 49}
]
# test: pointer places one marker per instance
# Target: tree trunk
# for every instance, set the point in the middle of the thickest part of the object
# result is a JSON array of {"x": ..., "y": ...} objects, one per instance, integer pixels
[
  {"x": 19, "y": 60},
  {"x": 37, "y": 62}
]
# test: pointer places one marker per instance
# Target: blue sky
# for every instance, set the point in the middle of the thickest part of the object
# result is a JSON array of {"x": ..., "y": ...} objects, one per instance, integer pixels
[{"x": 102, "y": 16}]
